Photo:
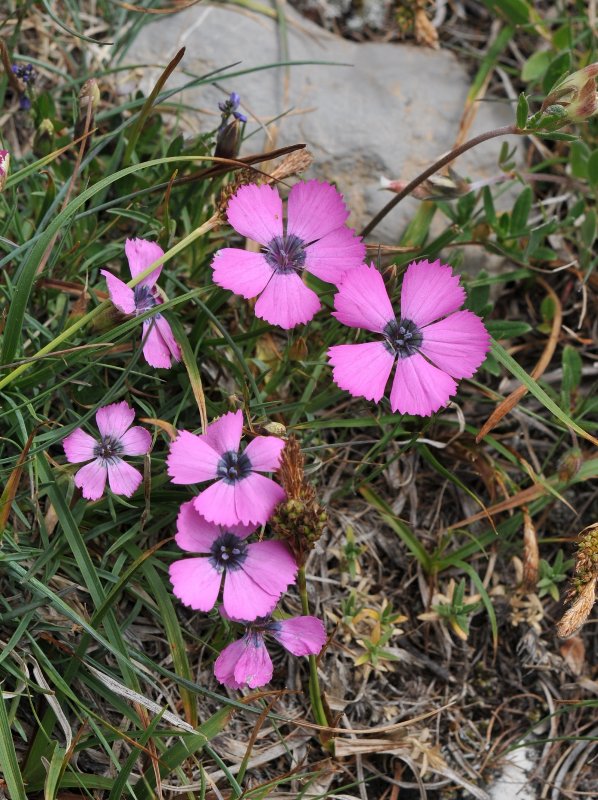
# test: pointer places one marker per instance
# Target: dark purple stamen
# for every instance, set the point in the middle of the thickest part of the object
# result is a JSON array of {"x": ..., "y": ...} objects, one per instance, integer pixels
[
  {"x": 286, "y": 254},
  {"x": 144, "y": 298},
  {"x": 228, "y": 552},
  {"x": 402, "y": 338},
  {"x": 233, "y": 467},
  {"x": 108, "y": 449}
]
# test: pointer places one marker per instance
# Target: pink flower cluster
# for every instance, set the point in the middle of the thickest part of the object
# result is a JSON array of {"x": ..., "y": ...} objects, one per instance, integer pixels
[
  {"x": 430, "y": 340},
  {"x": 216, "y": 527},
  {"x": 427, "y": 338}
]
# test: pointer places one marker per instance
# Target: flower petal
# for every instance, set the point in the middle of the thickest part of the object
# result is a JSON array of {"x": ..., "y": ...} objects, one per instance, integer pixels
[
  {"x": 224, "y": 434},
  {"x": 248, "y": 501},
  {"x": 224, "y": 666},
  {"x": 91, "y": 479},
  {"x": 196, "y": 535},
  {"x": 457, "y": 344},
  {"x": 361, "y": 369},
  {"x": 241, "y": 271},
  {"x": 195, "y": 582},
  {"x": 420, "y": 388},
  {"x": 121, "y": 295},
  {"x": 140, "y": 254},
  {"x": 334, "y": 254},
  {"x": 256, "y": 497},
  {"x": 243, "y": 597},
  {"x": 286, "y": 301},
  {"x": 301, "y": 636},
  {"x": 362, "y": 300},
  {"x": 217, "y": 504},
  {"x": 136, "y": 441},
  {"x": 79, "y": 446},
  {"x": 123, "y": 478},
  {"x": 430, "y": 291},
  {"x": 191, "y": 459},
  {"x": 315, "y": 208},
  {"x": 272, "y": 567},
  {"x": 256, "y": 212},
  {"x": 254, "y": 667},
  {"x": 155, "y": 349},
  {"x": 167, "y": 335},
  {"x": 264, "y": 453},
  {"x": 115, "y": 419}
]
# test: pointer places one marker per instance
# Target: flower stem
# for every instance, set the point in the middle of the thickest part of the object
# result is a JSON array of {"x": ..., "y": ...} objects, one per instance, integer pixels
[
  {"x": 315, "y": 697},
  {"x": 442, "y": 162}
]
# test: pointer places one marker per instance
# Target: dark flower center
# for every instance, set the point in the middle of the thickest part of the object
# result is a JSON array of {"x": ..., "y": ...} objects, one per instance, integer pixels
[
  {"x": 144, "y": 299},
  {"x": 108, "y": 449},
  {"x": 228, "y": 552},
  {"x": 233, "y": 467},
  {"x": 285, "y": 253},
  {"x": 402, "y": 338}
]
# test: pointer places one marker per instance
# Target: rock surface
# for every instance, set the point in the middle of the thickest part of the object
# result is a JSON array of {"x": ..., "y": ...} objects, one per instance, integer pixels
[{"x": 382, "y": 109}]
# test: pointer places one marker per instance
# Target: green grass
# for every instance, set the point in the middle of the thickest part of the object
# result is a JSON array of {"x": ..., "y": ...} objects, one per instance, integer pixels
[{"x": 107, "y": 686}]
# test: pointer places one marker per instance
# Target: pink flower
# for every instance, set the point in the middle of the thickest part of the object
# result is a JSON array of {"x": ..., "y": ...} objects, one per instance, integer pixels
[
  {"x": 254, "y": 575},
  {"x": 246, "y": 662},
  {"x": 117, "y": 438},
  {"x": 240, "y": 494},
  {"x": 159, "y": 344},
  {"x": 315, "y": 240},
  {"x": 4, "y": 165},
  {"x": 431, "y": 341}
]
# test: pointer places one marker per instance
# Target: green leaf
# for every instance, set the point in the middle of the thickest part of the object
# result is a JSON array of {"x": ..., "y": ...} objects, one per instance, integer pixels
[
  {"x": 588, "y": 228},
  {"x": 535, "y": 66},
  {"x": 506, "y": 329},
  {"x": 521, "y": 209},
  {"x": 55, "y": 769},
  {"x": 572, "y": 365},
  {"x": 187, "y": 746},
  {"x": 522, "y": 111},
  {"x": 558, "y": 67},
  {"x": 578, "y": 159},
  {"x": 534, "y": 388},
  {"x": 558, "y": 137},
  {"x": 489, "y": 209},
  {"x": 593, "y": 168},
  {"x": 8, "y": 758},
  {"x": 484, "y": 596},
  {"x": 516, "y": 12}
]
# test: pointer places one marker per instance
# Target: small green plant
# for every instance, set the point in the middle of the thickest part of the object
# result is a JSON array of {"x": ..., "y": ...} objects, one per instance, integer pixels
[
  {"x": 457, "y": 609},
  {"x": 553, "y": 574}
]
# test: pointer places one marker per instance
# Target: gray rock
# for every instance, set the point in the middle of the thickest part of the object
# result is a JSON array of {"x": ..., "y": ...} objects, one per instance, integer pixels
[{"x": 382, "y": 109}]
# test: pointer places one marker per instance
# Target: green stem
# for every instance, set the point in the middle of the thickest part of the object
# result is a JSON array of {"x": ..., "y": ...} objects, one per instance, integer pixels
[{"x": 315, "y": 697}]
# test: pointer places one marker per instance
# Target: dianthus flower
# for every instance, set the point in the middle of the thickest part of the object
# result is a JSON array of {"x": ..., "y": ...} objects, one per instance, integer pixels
[
  {"x": 240, "y": 494},
  {"x": 117, "y": 439},
  {"x": 314, "y": 240},
  {"x": 247, "y": 662},
  {"x": 254, "y": 574},
  {"x": 431, "y": 341},
  {"x": 159, "y": 344}
]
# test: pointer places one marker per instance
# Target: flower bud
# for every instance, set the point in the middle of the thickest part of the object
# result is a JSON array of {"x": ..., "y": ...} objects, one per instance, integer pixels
[
  {"x": 228, "y": 140},
  {"x": 43, "y": 141},
  {"x": 575, "y": 96},
  {"x": 4, "y": 166}
]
